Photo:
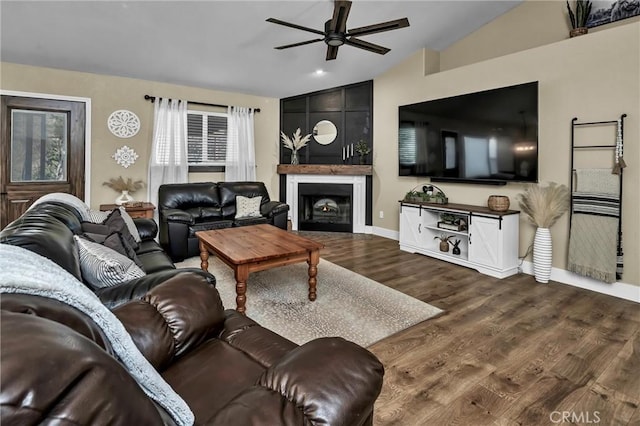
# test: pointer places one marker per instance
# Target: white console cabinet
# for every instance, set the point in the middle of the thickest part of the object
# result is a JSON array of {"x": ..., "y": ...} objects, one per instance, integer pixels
[{"x": 488, "y": 239}]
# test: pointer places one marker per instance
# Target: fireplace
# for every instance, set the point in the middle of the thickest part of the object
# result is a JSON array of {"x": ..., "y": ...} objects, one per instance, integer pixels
[
  {"x": 357, "y": 192},
  {"x": 325, "y": 207}
]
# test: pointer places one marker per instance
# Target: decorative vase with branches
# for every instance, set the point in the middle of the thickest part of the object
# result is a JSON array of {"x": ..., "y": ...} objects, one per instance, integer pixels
[
  {"x": 124, "y": 187},
  {"x": 579, "y": 17},
  {"x": 543, "y": 205},
  {"x": 444, "y": 241},
  {"x": 295, "y": 144}
]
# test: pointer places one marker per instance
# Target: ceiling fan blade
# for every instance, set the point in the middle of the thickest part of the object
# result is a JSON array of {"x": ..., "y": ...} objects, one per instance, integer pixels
[
  {"x": 297, "y": 27},
  {"x": 302, "y": 43},
  {"x": 332, "y": 52},
  {"x": 340, "y": 14},
  {"x": 375, "y": 48},
  {"x": 378, "y": 28}
]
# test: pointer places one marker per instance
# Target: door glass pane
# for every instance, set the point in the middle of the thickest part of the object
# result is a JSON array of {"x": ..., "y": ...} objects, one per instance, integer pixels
[{"x": 39, "y": 144}]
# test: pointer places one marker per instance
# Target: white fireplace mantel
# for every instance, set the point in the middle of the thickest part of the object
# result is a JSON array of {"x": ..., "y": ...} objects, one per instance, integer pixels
[{"x": 359, "y": 201}]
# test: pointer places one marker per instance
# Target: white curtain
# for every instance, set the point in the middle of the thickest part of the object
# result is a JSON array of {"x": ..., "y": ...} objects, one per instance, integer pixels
[
  {"x": 240, "y": 164},
  {"x": 168, "y": 162}
]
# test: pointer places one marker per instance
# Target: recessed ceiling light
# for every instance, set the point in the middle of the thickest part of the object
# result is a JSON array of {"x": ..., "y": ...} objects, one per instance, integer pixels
[{"x": 319, "y": 72}]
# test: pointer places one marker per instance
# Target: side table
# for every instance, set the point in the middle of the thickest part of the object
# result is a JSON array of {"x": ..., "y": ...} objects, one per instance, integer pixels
[{"x": 135, "y": 210}]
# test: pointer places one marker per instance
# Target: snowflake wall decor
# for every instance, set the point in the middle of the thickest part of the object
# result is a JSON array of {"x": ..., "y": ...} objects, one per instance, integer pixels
[
  {"x": 123, "y": 123},
  {"x": 125, "y": 156}
]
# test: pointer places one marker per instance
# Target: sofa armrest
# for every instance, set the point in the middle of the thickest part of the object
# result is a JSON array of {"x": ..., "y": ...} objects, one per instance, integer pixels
[
  {"x": 273, "y": 208},
  {"x": 177, "y": 215},
  {"x": 173, "y": 318},
  {"x": 147, "y": 228},
  {"x": 135, "y": 289},
  {"x": 326, "y": 381}
]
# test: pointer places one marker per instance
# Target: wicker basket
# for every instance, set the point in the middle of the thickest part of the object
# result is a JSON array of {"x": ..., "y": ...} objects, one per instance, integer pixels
[{"x": 498, "y": 203}]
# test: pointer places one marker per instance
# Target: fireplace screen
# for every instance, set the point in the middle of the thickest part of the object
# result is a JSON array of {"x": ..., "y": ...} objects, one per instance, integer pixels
[{"x": 325, "y": 207}]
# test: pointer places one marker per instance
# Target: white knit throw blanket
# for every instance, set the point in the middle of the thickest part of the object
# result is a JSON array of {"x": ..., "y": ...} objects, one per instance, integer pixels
[{"x": 26, "y": 272}]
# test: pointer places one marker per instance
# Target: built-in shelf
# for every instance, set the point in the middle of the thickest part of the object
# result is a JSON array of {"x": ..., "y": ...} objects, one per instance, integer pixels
[{"x": 325, "y": 169}]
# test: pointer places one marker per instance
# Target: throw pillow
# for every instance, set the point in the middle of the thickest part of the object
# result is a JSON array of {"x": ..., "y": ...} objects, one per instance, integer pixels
[
  {"x": 116, "y": 242},
  {"x": 248, "y": 207},
  {"x": 116, "y": 223},
  {"x": 103, "y": 267},
  {"x": 97, "y": 216},
  {"x": 133, "y": 229}
]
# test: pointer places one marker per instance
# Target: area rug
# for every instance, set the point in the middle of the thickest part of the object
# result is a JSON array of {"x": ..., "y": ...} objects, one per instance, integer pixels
[{"x": 348, "y": 305}]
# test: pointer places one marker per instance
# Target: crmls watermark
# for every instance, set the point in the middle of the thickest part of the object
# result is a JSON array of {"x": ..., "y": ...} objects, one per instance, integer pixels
[{"x": 581, "y": 417}]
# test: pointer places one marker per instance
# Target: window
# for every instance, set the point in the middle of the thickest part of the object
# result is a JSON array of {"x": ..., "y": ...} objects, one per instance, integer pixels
[
  {"x": 206, "y": 141},
  {"x": 38, "y": 146},
  {"x": 407, "y": 142}
]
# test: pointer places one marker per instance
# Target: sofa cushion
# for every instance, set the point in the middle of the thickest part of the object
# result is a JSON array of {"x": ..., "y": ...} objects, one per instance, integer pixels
[
  {"x": 155, "y": 261},
  {"x": 104, "y": 267},
  {"x": 246, "y": 221},
  {"x": 186, "y": 195},
  {"x": 248, "y": 206},
  {"x": 207, "y": 226},
  {"x": 209, "y": 213}
]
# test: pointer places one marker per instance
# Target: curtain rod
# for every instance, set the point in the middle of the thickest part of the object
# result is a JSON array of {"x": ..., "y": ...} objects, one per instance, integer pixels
[{"x": 153, "y": 99}]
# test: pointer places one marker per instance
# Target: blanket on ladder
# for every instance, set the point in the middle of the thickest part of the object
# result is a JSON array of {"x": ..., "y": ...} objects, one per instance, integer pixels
[
  {"x": 595, "y": 246},
  {"x": 26, "y": 272}
]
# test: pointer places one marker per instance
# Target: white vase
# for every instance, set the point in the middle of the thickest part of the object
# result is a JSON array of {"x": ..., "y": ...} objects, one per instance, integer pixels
[
  {"x": 123, "y": 198},
  {"x": 542, "y": 254}
]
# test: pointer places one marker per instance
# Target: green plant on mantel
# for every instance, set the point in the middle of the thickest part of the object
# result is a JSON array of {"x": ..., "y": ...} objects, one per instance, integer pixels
[
  {"x": 362, "y": 148},
  {"x": 580, "y": 17}
]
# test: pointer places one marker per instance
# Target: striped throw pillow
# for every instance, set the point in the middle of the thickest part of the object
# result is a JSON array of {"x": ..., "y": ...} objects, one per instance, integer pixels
[{"x": 103, "y": 267}]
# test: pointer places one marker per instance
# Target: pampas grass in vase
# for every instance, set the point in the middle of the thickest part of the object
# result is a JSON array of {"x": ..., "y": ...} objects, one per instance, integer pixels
[{"x": 543, "y": 205}]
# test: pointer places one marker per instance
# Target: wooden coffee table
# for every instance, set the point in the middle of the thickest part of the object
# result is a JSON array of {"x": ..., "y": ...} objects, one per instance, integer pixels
[{"x": 255, "y": 248}]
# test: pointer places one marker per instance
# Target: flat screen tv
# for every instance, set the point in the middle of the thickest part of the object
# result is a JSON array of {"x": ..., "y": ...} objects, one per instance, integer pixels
[{"x": 484, "y": 137}]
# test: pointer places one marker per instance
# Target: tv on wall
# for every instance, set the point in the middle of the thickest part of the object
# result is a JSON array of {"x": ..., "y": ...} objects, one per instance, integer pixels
[{"x": 484, "y": 137}]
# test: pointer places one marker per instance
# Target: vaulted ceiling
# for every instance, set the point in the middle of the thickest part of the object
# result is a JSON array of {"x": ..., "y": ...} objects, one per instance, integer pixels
[{"x": 227, "y": 45}]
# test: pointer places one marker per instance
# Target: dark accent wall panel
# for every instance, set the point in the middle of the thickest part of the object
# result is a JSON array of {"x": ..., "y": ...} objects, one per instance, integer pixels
[{"x": 349, "y": 107}]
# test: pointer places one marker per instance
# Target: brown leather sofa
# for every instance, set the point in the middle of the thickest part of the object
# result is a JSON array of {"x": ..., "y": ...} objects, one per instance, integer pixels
[{"x": 58, "y": 367}]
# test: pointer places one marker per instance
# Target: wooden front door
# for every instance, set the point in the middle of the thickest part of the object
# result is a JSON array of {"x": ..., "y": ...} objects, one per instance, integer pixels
[{"x": 42, "y": 151}]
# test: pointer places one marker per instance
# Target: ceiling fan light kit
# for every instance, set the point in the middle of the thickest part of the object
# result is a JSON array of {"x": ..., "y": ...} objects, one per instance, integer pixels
[{"x": 335, "y": 32}]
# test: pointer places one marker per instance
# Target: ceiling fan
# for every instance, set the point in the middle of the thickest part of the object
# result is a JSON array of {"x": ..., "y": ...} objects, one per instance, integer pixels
[{"x": 335, "y": 32}]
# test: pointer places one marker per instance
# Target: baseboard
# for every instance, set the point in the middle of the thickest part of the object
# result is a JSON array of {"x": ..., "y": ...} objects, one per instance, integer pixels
[
  {"x": 386, "y": 233},
  {"x": 618, "y": 289}
]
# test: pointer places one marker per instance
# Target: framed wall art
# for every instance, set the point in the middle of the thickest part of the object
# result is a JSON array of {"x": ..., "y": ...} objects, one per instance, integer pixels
[{"x": 607, "y": 11}]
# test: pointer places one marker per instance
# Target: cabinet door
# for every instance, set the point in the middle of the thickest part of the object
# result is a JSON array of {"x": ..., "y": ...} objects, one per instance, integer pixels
[
  {"x": 485, "y": 241},
  {"x": 411, "y": 227}
]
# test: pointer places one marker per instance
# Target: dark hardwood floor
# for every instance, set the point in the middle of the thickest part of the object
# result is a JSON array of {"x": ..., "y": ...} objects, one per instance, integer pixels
[{"x": 505, "y": 352}]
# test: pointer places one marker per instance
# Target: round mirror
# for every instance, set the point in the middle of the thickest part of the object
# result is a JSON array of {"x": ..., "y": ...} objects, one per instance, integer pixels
[{"x": 325, "y": 132}]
